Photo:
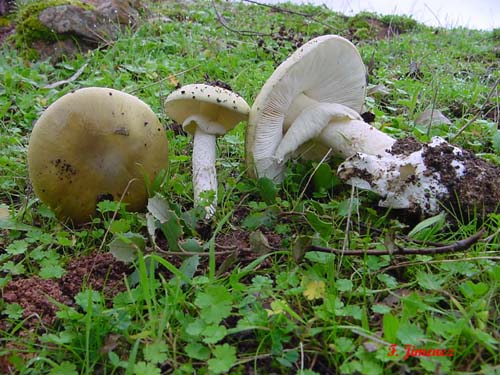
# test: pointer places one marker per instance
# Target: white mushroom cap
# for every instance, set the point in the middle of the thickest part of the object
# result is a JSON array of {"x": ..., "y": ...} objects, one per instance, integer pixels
[
  {"x": 327, "y": 69},
  {"x": 224, "y": 108},
  {"x": 89, "y": 145}
]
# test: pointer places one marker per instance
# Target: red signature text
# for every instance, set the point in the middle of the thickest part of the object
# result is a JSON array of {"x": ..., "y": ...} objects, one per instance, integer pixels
[{"x": 413, "y": 351}]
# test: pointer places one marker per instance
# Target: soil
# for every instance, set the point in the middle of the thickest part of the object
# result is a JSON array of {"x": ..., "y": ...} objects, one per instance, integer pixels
[
  {"x": 34, "y": 295},
  {"x": 99, "y": 271},
  {"x": 405, "y": 146},
  {"x": 477, "y": 191}
]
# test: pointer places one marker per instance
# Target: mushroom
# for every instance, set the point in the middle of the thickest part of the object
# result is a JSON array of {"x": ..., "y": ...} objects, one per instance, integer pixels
[
  {"x": 311, "y": 104},
  {"x": 93, "y": 144},
  {"x": 427, "y": 178},
  {"x": 205, "y": 112}
]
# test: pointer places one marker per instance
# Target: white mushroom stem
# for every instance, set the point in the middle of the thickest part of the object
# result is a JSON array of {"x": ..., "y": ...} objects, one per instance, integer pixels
[
  {"x": 335, "y": 126},
  {"x": 204, "y": 148},
  {"x": 403, "y": 181}
]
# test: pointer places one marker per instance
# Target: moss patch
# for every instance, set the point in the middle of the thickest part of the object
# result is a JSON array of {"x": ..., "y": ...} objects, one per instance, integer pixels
[{"x": 29, "y": 28}]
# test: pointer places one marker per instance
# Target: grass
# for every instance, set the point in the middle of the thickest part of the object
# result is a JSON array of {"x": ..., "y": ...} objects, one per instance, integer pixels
[{"x": 244, "y": 301}]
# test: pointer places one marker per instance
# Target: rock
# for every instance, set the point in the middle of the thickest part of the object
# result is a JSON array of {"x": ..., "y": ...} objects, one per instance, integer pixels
[
  {"x": 89, "y": 23},
  {"x": 86, "y": 24},
  {"x": 122, "y": 11}
]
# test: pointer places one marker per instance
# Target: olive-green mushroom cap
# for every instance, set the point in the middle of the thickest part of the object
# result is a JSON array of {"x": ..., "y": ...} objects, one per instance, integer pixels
[{"x": 95, "y": 144}]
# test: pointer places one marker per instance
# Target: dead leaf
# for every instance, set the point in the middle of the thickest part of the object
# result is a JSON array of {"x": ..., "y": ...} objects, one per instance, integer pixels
[
  {"x": 431, "y": 117},
  {"x": 258, "y": 243},
  {"x": 173, "y": 80},
  {"x": 314, "y": 290},
  {"x": 65, "y": 81}
]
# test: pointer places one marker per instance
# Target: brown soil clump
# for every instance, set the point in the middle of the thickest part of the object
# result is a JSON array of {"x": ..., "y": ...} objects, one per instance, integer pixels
[
  {"x": 405, "y": 146},
  {"x": 477, "y": 191},
  {"x": 34, "y": 295},
  {"x": 100, "y": 272},
  {"x": 39, "y": 297}
]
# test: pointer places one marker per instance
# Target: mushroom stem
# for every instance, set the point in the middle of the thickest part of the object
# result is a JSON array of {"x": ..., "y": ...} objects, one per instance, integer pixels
[
  {"x": 427, "y": 178},
  {"x": 204, "y": 173},
  {"x": 347, "y": 137},
  {"x": 334, "y": 126}
]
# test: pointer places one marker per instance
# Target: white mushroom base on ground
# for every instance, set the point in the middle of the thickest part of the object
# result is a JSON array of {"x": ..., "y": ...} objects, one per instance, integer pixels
[{"x": 426, "y": 178}]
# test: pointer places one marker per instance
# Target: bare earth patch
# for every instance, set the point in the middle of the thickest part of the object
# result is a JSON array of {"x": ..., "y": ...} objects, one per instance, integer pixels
[{"x": 39, "y": 297}]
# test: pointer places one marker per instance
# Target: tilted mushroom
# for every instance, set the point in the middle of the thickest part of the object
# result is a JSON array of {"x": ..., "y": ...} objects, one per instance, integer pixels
[
  {"x": 205, "y": 112},
  {"x": 311, "y": 103},
  {"x": 94, "y": 144}
]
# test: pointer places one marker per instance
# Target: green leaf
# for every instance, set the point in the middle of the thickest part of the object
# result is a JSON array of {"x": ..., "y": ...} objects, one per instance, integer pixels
[
  {"x": 324, "y": 178},
  {"x": 65, "y": 368},
  {"x": 390, "y": 325},
  {"x": 190, "y": 265},
  {"x": 258, "y": 219},
  {"x": 10, "y": 224},
  {"x": 307, "y": 372},
  {"x": 224, "y": 359},
  {"x": 13, "y": 310},
  {"x": 120, "y": 226},
  {"x": 348, "y": 207},
  {"x": 473, "y": 291},
  {"x": 319, "y": 257},
  {"x": 410, "y": 334},
  {"x": 13, "y": 268},
  {"x": 381, "y": 309},
  {"x": 196, "y": 327},
  {"x": 496, "y": 141},
  {"x": 124, "y": 246},
  {"x": 88, "y": 299},
  {"x": 344, "y": 345},
  {"x": 197, "y": 351},
  {"x": 388, "y": 280},
  {"x": 158, "y": 207},
  {"x": 429, "y": 280},
  {"x": 323, "y": 228},
  {"x": 214, "y": 333},
  {"x": 191, "y": 245},
  {"x": 156, "y": 352},
  {"x": 61, "y": 338},
  {"x": 344, "y": 285},
  {"x": 143, "y": 368},
  {"x": 17, "y": 247},
  {"x": 267, "y": 190},
  {"x": 50, "y": 269},
  {"x": 215, "y": 304},
  {"x": 435, "y": 223},
  {"x": 108, "y": 206},
  {"x": 172, "y": 229}
]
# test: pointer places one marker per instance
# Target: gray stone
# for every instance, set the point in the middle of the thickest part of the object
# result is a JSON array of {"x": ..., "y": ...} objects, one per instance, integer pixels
[{"x": 87, "y": 24}]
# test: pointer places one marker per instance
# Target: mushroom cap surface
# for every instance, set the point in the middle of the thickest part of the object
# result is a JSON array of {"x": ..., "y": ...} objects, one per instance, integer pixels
[
  {"x": 88, "y": 145},
  {"x": 327, "y": 69},
  {"x": 216, "y": 104}
]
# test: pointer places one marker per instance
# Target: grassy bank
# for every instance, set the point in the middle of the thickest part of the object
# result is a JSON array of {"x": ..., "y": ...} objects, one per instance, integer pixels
[{"x": 244, "y": 298}]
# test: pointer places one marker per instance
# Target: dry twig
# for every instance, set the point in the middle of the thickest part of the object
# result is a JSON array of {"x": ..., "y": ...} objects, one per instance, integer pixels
[{"x": 452, "y": 248}]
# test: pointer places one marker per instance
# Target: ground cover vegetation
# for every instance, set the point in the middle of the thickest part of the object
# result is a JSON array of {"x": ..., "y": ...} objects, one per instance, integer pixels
[{"x": 249, "y": 292}]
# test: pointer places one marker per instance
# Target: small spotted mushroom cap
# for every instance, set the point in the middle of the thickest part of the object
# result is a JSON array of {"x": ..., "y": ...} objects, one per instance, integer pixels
[
  {"x": 221, "y": 106},
  {"x": 88, "y": 145}
]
